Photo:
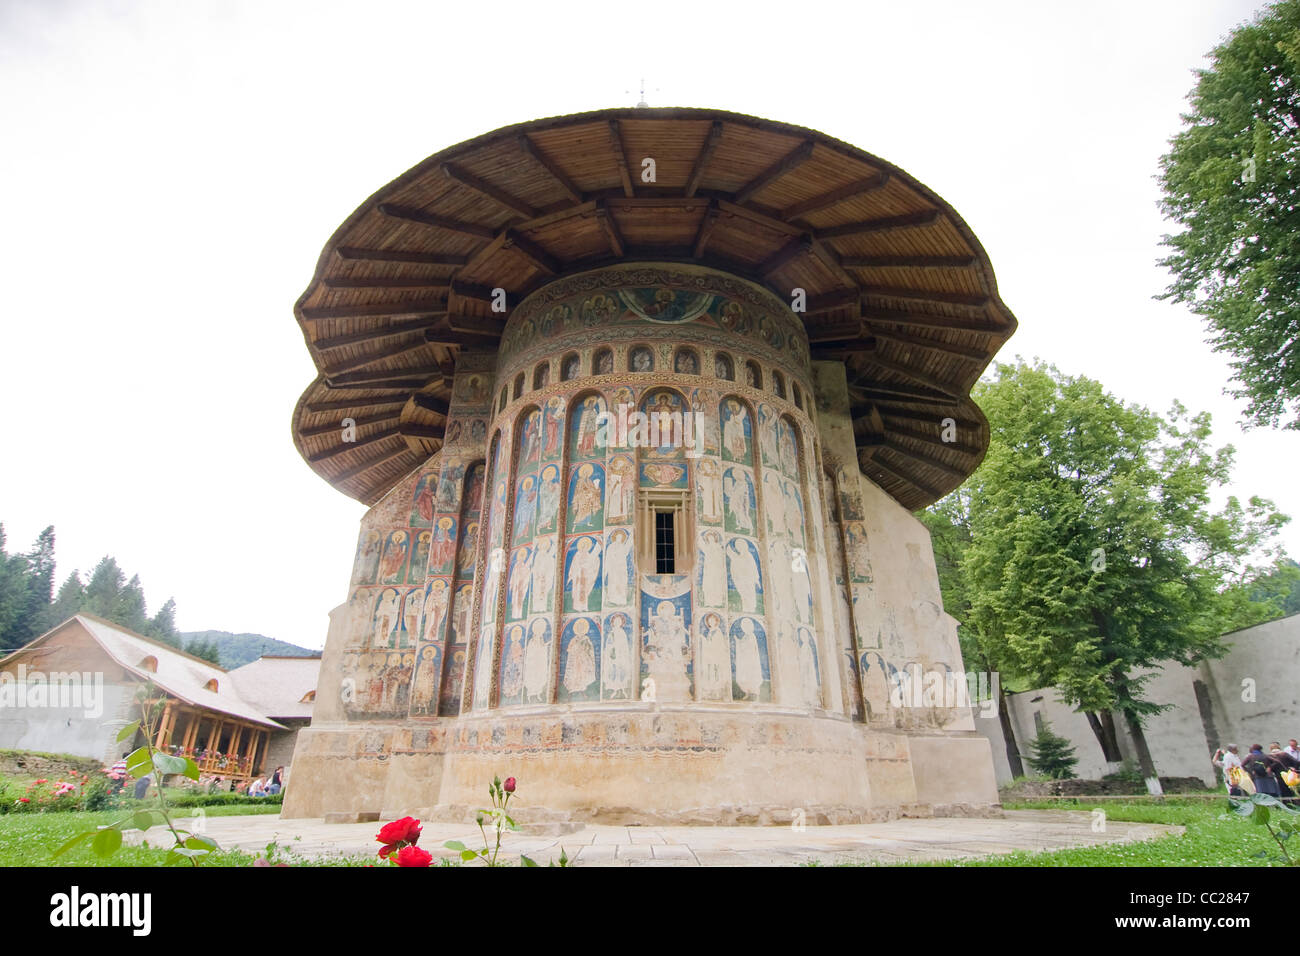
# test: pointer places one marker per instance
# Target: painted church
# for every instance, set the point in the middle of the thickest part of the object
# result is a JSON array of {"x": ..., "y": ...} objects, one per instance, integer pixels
[{"x": 641, "y": 403}]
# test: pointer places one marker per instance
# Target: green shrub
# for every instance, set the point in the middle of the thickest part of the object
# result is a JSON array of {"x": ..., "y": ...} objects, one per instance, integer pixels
[{"x": 1052, "y": 755}]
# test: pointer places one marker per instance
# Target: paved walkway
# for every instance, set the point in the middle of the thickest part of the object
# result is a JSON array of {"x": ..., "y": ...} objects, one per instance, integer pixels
[{"x": 897, "y": 841}]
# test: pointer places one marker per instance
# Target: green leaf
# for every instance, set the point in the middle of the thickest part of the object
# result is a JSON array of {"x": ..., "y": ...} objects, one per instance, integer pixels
[
  {"x": 106, "y": 842},
  {"x": 525, "y": 861},
  {"x": 190, "y": 852},
  {"x": 167, "y": 765},
  {"x": 137, "y": 763},
  {"x": 142, "y": 819},
  {"x": 196, "y": 842},
  {"x": 191, "y": 769},
  {"x": 468, "y": 855},
  {"x": 454, "y": 845},
  {"x": 1261, "y": 815},
  {"x": 127, "y": 732},
  {"x": 79, "y": 838}
]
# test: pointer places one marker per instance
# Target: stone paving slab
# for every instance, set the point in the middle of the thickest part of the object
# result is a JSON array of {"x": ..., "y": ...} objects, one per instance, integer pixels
[{"x": 895, "y": 841}]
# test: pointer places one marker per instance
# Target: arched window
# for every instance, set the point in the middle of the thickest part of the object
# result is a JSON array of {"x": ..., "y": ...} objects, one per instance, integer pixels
[
  {"x": 519, "y": 384},
  {"x": 308, "y": 698},
  {"x": 640, "y": 359},
  {"x": 603, "y": 362},
  {"x": 798, "y": 395},
  {"x": 753, "y": 375},
  {"x": 149, "y": 664},
  {"x": 686, "y": 362},
  {"x": 570, "y": 367},
  {"x": 505, "y": 395},
  {"x": 723, "y": 367},
  {"x": 211, "y": 685},
  {"x": 542, "y": 375},
  {"x": 667, "y": 504},
  {"x": 778, "y": 384}
]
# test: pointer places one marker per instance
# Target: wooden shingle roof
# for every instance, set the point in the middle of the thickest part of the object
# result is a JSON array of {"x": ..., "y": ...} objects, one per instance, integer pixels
[{"x": 897, "y": 285}]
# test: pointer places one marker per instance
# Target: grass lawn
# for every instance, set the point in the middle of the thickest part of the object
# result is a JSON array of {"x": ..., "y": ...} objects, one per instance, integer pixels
[
  {"x": 1214, "y": 837},
  {"x": 30, "y": 839}
]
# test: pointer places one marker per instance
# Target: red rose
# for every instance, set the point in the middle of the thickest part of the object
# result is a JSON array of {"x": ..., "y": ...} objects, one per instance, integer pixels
[
  {"x": 41, "y": 781},
  {"x": 397, "y": 834},
  {"x": 24, "y": 800},
  {"x": 510, "y": 785},
  {"x": 413, "y": 856}
]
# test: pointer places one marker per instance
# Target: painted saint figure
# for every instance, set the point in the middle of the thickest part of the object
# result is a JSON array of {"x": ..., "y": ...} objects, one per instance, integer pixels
[
  {"x": 744, "y": 575},
  {"x": 444, "y": 545},
  {"x": 580, "y": 660},
  {"x": 512, "y": 664},
  {"x": 584, "y": 572},
  {"x": 621, "y": 489},
  {"x": 588, "y": 428},
  {"x": 710, "y": 490},
  {"x": 435, "y": 610},
  {"x": 748, "y": 662},
  {"x": 586, "y": 499},
  {"x": 537, "y": 663},
  {"x": 713, "y": 569},
  {"x": 548, "y": 498},
  {"x": 618, "y": 551},
  {"x": 543, "y": 586},
  {"x": 733, "y": 431},
  {"x": 715, "y": 660},
  {"x": 521, "y": 571},
  {"x": 739, "y": 493},
  {"x": 617, "y": 670},
  {"x": 525, "y": 508}
]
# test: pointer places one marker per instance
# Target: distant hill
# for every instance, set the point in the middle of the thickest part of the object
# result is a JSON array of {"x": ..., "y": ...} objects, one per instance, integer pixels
[{"x": 239, "y": 649}]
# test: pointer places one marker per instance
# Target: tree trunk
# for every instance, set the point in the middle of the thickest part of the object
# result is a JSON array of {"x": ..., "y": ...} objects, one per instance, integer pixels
[
  {"x": 1139, "y": 736},
  {"x": 1103, "y": 728},
  {"x": 1113, "y": 754},
  {"x": 1009, "y": 736}
]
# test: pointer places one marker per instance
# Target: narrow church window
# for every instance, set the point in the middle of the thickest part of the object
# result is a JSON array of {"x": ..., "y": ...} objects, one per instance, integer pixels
[
  {"x": 604, "y": 362},
  {"x": 519, "y": 384},
  {"x": 542, "y": 375},
  {"x": 665, "y": 543},
  {"x": 778, "y": 384}
]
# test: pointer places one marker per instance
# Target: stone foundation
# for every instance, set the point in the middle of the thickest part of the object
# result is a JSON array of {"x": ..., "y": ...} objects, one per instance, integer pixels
[{"x": 696, "y": 766}]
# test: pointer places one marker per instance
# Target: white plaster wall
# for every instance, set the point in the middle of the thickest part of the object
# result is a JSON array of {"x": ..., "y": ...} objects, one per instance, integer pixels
[{"x": 66, "y": 730}]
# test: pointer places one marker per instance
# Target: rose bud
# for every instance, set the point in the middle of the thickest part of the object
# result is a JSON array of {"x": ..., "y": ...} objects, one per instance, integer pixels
[{"x": 510, "y": 784}]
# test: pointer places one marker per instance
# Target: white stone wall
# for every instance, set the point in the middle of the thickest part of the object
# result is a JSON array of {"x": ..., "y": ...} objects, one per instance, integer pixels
[{"x": 1263, "y": 661}]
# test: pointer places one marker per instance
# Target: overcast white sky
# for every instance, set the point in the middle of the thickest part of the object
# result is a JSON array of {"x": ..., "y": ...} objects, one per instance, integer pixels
[{"x": 171, "y": 170}]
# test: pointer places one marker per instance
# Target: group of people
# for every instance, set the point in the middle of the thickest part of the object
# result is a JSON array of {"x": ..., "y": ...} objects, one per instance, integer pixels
[
  {"x": 269, "y": 787},
  {"x": 256, "y": 788},
  {"x": 1275, "y": 772}
]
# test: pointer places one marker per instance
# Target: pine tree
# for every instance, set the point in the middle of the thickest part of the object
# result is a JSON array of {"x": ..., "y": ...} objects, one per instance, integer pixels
[
  {"x": 71, "y": 600},
  {"x": 162, "y": 626},
  {"x": 13, "y": 597},
  {"x": 39, "y": 580},
  {"x": 1052, "y": 756}
]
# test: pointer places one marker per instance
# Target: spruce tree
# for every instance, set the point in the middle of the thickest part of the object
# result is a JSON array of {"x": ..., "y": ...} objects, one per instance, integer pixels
[{"x": 1052, "y": 756}]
